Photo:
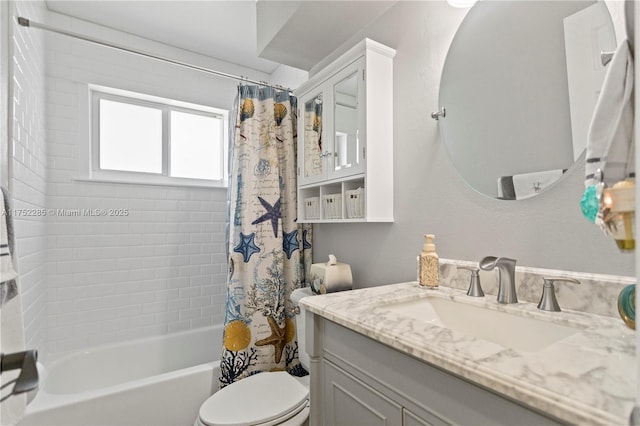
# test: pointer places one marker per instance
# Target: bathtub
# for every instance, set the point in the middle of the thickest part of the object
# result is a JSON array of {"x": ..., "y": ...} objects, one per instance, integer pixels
[{"x": 155, "y": 381}]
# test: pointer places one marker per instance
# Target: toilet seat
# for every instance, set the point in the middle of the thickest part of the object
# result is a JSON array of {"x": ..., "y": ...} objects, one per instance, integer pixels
[{"x": 261, "y": 399}]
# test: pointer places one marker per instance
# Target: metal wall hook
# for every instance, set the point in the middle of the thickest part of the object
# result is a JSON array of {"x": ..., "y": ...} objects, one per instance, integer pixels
[
  {"x": 441, "y": 113},
  {"x": 605, "y": 57}
]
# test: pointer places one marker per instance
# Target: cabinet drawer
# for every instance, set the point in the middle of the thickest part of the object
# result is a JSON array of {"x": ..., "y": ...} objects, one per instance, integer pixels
[{"x": 350, "y": 402}]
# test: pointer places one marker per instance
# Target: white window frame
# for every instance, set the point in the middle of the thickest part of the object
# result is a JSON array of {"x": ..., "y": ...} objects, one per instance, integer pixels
[{"x": 96, "y": 93}]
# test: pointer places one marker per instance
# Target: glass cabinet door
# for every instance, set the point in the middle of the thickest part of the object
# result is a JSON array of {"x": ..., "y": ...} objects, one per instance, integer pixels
[
  {"x": 314, "y": 153},
  {"x": 348, "y": 152}
]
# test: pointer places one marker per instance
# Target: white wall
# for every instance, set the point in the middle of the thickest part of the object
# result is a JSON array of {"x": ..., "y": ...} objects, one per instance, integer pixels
[
  {"x": 289, "y": 77},
  {"x": 28, "y": 165},
  {"x": 546, "y": 231},
  {"x": 162, "y": 268}
]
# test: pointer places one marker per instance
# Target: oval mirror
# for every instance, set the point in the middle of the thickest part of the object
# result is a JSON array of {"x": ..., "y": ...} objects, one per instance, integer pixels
[{"x": 519, "y": 86}]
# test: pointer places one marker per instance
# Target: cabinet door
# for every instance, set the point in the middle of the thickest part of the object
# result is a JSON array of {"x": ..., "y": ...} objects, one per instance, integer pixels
[
  {"x": 313, "y": 153},
  {"x": 410, "y": 418},
  {"x": 347, "y": 156},
  {"x": 350, "y": 402}
]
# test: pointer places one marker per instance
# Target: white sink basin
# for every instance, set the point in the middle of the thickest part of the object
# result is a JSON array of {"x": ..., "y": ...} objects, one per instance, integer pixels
[{"x": 513, "y": 331}]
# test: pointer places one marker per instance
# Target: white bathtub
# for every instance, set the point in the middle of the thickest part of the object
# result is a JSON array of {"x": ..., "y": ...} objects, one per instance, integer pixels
[{"x": 157, "y": 381}]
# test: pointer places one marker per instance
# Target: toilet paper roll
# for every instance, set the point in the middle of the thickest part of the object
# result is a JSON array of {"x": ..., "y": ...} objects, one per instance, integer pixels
[{"x": 331, "y": 276}]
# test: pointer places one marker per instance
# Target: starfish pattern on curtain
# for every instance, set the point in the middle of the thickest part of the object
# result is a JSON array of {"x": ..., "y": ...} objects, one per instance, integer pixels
[{"x": 269, "y": 251}]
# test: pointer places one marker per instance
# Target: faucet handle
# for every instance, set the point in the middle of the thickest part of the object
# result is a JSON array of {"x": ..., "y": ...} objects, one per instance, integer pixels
[
  {"x": 475, "y": 289},
  {"x": 548, "y": 301}
]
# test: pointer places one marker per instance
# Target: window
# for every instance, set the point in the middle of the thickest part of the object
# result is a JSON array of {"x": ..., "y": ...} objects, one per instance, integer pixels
[{"x": 143, "y": 139}]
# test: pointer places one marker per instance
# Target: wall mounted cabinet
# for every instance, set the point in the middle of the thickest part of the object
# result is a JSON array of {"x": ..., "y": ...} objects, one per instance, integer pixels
[{"x": 345, "y": 138}]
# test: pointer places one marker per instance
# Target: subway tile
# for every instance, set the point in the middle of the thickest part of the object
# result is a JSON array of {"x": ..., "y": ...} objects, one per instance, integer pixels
[
  {"x": 179, "y": 282},
  {"x": 59, "y": 333},
  {"x": 154, "y": 285},
  {"x": 156, "y": 329},
  {"x": 169, "y": 272},
  {"x": 154, "y": 307},
  {"x": 178, "y": 238},
  {"x": 166, "y": 295},
  {"x": 189, "y": 292},
  {"x": 154, "y": 262},
  {"x": 200, "y": 280},
  {"x": 189, "y": 314},
  {"x": 188, "y": 271},
  {"x": 98, "y": 290},
  {"x": 200, "y": 259},
  {"x": 190, "y": 249},
  {"x": 129, "y": 334},
  {"x": 169, "y": 251},
  {"x": 166, "y": 317},
  {"x": 212, "y": 289},
  {"x": 196, "y": 302},
  {"x": 175, "y": 327},
  {"x": 87, "y": 328},
  {"x": 115, "y": 324},
  {"x": 189, "y": 227},
  {"x": 201, "y": 237},
  {"x": 178, "y": 304},
  {"x": 201, "y": 322},
  {"x": 154, "y": 238},
  {"x": 144, "y": 320}
]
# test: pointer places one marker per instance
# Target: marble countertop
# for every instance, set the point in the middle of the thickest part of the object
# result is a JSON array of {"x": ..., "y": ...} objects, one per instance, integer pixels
[{"x": 586, "y": 378}]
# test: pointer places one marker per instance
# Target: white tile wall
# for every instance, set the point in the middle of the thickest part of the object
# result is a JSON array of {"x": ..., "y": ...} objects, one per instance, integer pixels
[
  {"x": 160, "y": 269},
  {"x": 94, "y": 280},
  {"x": 28, "y": 165}
]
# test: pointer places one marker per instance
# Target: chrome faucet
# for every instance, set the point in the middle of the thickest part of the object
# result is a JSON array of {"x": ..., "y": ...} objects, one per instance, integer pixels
[{"x": 506, "y": 276}]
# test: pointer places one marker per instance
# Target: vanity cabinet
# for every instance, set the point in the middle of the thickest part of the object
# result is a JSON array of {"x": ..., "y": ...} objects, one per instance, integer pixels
[
  {"x": 345, "y": 138},
  {"x": 358, "y": 381}
]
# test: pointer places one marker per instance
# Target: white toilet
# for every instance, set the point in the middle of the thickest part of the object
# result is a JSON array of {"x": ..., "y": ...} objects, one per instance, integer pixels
[{"x": 264, "y": 399}]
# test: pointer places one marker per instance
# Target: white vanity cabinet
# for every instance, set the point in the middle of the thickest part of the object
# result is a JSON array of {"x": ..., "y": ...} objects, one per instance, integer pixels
[
  {"x": 358, "y": 381},
  {"x": 345, "y": 138}
]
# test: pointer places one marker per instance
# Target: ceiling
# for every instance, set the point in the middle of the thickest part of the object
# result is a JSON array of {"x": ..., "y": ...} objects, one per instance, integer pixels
[
  {"x": 302, "y": 33},
  {"x": 227, "y": 29},
  {"x": 222, "y": 29}
]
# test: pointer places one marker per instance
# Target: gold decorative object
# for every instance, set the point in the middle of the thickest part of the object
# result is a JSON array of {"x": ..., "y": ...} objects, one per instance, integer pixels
[{"x": 619, "y": 203}]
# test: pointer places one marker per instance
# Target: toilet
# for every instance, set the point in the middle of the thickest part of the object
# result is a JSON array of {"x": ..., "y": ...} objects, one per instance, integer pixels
[{"x": 265, "y": 399}]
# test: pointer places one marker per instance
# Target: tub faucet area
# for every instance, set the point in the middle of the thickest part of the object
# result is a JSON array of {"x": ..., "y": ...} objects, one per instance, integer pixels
[
  {"x": 506, "y": 276},
  {"x": 25, "y": 362}
]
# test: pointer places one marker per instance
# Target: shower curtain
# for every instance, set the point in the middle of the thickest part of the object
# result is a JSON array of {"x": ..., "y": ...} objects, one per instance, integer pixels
[{"x": 268, "y": 250}]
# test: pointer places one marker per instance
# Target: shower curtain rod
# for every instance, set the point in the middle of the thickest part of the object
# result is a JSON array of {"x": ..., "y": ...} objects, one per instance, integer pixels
[{"x": 29, "y": 23}]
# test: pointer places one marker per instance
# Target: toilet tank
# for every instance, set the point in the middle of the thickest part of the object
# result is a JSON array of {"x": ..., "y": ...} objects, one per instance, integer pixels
[{"x": 296, "y": 296}]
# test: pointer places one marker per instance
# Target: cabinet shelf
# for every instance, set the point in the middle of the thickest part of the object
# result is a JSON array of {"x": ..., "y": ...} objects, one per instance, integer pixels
[{"x": 345, "y": 131}]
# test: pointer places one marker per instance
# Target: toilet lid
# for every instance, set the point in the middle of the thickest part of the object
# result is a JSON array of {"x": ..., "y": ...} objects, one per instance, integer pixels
[{"x": 254, "y": 400}]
